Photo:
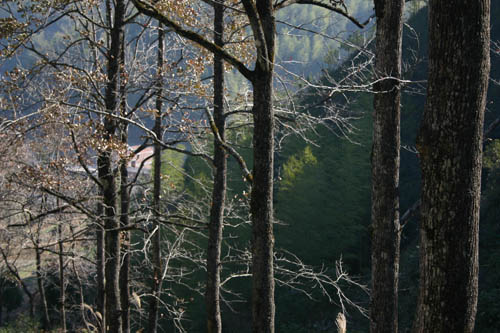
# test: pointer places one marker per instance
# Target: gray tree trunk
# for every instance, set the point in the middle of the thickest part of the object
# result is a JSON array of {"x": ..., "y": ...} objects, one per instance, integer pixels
[
  {"x": 124, "y": 209},
  {"x": 385, "y": 229},
  {"x": 156, "y": 238},
  {"x": 450, "y": 147},
  {"x": 212, "y": 294},
  {"x": 106, "y": 175}
]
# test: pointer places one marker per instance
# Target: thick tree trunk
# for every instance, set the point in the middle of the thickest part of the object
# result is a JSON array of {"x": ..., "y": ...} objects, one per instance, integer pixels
[
  {"x": 156, "y": 282},
  {"x": 261, "y": 200},
  {"x": 450, "y": 150},
  {"x": 385, "y": 234},
  {"x": 212, "y": 295},
  {"x": 261, "y": 207}
]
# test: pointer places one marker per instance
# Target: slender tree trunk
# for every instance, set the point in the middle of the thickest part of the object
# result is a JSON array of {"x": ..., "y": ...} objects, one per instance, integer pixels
[
  {"x": 107, "y": 178},
  {"x": 41, "y": 288},
  {"x": 125, "y": 246},
  {"x": 450, "y": 148},
  {"x": 99, "y": 234},
  {"x": 101, "y": 295},
  {"x": 112, "y": 246},
  {"x": 385, "y": 167},
  {"x": 62, "y": 288},
  {"x": 212, "y": 295},
  {"x": 156, "y": 238},
  {"x": 124, "y": 208}
]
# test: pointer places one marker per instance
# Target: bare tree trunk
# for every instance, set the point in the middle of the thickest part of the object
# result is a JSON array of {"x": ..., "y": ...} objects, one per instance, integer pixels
[
  {"x": 450, "y": 148},
  {"x": 124, "y": 208},
  {"x": 62, "y": 288},
  {"x": 212, "y": 294},
  {"x": 156, "y": 238},
  {"x": 106, "y": 175},
  {"x": 385, "y": 228},
  {"x": 125, "y": 247},
  {"x": 112, "y": 245},
  {"x": 261, "y": 207},
  {"x": 41, "y": 288},
  {"x": 261, "y": 201},
  {"x": 101, "y": 294}
]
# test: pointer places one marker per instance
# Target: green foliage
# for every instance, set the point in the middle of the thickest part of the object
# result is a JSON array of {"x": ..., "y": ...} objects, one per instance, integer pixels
[
  {"x": 324, "y": 198},
  {"x": 295, "y": 167},
  {"x": 491, "y": 159},
  {"x": 172, "y": 171}
]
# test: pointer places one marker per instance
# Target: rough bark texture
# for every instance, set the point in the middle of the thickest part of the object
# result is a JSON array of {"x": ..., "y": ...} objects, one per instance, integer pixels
[
  {"x": 106, "y": 175},
  {"x": 212, "y": 294},
  {"x": 385, "y": 168},
  {"x": 156, "y": 237},
  {"x": 450, "y": 150},
  {"x": 261, "y": 201}
]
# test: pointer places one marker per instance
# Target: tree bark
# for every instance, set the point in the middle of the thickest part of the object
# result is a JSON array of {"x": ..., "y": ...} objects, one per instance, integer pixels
[
  {"x": 124, "y": 208},
  {"x": 385, "y": 228},
  {"x": 261, "y": 200},
  {"x": 106, "y": 175},
  {"x": 262, "y": 22},
  {"x": 215, "y": 228},
  {"x": 101, "y": 293},
  {"x": 450, "y": 148},
  {"x": 156, "y": 237},
  {"x": 112, "y": 246}
]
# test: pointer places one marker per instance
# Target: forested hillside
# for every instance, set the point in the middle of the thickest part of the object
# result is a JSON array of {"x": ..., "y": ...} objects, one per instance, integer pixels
[
  {"x": 325, "y": 198},
  {"x": 131, "y": 162}
]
